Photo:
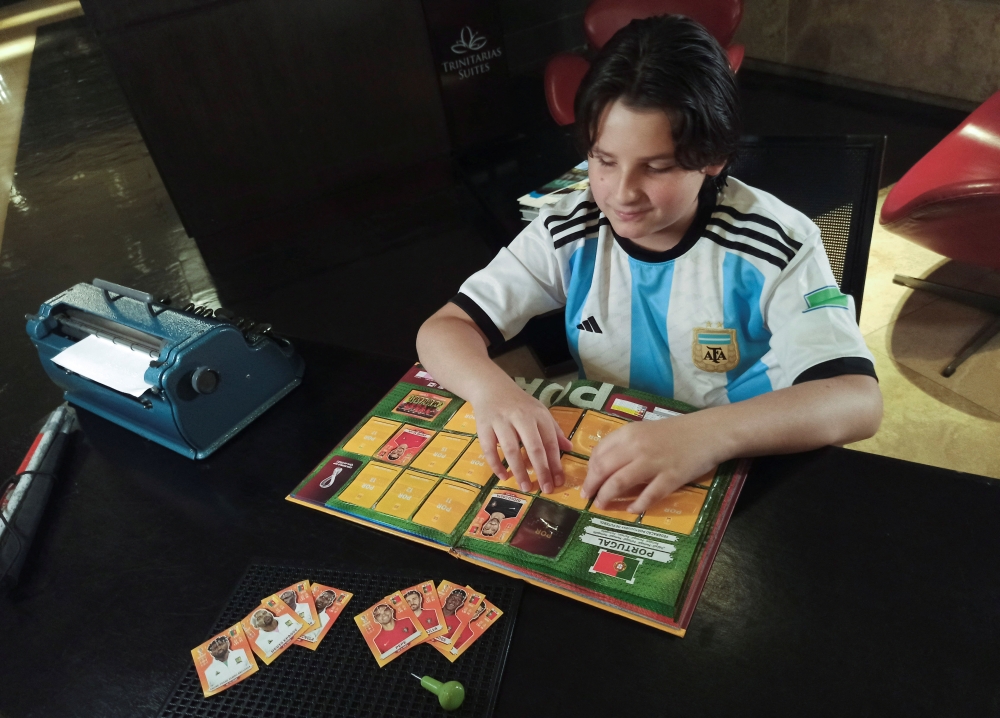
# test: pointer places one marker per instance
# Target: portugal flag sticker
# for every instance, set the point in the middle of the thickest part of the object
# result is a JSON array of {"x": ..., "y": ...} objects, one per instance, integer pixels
[{"x": 616, "y": 565}]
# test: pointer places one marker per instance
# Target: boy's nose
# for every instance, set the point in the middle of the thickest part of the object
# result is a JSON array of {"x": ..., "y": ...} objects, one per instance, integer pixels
[{"x": 628, "y": 190}]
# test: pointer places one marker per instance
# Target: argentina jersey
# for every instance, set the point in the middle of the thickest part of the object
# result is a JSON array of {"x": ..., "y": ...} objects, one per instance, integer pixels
[{"x": 745, "y": 303}]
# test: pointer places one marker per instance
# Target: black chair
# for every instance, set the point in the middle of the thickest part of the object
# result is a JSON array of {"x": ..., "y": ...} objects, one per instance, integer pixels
[{"x": 833, "y": 180}]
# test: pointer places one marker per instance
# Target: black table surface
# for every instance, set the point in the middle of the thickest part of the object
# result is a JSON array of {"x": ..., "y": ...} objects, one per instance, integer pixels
[{"x": 847, "y": 584}]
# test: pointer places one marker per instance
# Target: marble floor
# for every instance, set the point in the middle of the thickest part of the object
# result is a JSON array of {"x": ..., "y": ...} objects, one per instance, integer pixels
[
  {"x": 947, "y": 422},
  {"x": 18, "y": 24}
]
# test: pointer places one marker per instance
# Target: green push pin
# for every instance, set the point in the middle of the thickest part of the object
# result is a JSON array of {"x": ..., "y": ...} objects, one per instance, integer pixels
[{"x": 450, "y": 695}]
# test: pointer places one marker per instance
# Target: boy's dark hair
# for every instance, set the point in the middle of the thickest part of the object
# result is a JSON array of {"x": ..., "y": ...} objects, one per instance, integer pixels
[{"x": 673, "y": 64}]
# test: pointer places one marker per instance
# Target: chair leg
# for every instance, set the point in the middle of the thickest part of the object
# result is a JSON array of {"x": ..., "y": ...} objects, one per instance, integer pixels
[
  {"x": 989, "y": 330},
  {"x": 978, "y": 300}
]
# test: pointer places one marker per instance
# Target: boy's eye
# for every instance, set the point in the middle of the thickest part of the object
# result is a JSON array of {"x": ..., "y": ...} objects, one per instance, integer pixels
[
  {"x": 660, "y": 170},
  {"x": 603, "y": 162}
]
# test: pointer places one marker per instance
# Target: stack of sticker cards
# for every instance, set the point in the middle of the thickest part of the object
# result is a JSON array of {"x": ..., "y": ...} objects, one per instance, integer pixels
[
  {"x": 448, "y": 617},
  {"x": 301, "y": 614}
]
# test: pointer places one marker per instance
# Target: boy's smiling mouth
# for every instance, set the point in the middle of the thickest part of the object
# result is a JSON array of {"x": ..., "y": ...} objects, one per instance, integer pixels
[{"x": 632, "y": 215}]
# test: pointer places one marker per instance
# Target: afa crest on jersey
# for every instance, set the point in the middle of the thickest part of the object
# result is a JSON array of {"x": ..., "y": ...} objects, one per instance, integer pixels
[{"x": 715, "y": 349}]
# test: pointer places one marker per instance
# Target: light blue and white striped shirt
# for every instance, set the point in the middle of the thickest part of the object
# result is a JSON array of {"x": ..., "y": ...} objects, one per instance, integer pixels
[{"x": 746, "y": 303}]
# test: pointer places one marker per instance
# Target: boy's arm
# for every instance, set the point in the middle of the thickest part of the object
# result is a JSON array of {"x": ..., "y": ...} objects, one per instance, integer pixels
[
  {"x": 659, "y": 457},
  {"x": 452, "y": 347}
]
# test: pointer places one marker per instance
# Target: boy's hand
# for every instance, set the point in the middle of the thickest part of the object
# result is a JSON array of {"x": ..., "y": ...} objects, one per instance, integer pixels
[
  {"x": 654, "y": 457},
  {"x": 507, "y": 415}
]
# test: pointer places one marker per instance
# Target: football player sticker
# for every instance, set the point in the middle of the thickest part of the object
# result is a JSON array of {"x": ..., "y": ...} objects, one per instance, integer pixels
[
  {"x": 499, "y": 516},
  {"x": 299, "y": 598},
  {"x": 486, "y": 615},
  {"x": 423, "y": 601},
  {"x": 390, "y": 628},
  {"x": 452, "y": 597},
  {"x": 715, "y": 350},
  {"x": 404, "y": 445},
  {"x": 471, "y": 614},
  {"x": 329, "y": 603},
  {"x": 223, "y": 661},
  {"x": 271, "y": 628}
]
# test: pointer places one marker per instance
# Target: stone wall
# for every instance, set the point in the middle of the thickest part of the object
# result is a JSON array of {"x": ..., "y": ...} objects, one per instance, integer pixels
[{"x": 948, "y": 48}]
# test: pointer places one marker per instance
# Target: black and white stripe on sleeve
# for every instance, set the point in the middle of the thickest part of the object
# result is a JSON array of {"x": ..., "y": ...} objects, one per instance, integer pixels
[
  {"x": 581, "y": 222},
  {"x": 752, "y": 234}
]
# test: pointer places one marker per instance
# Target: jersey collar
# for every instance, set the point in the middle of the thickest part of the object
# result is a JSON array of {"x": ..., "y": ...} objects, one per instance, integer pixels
[{"x": 707, "y": 199}]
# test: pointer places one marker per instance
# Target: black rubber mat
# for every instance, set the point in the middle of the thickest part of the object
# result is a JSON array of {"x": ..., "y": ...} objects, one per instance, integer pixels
[{"x": 341, "y": 677}]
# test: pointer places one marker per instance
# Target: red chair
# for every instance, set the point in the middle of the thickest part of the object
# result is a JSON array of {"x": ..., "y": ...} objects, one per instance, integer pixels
[
  {"x": 606, "y": 17},
  {"x": 949, "y": 202}
]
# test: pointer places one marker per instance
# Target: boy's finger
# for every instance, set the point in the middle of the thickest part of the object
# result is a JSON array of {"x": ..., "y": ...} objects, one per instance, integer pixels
[
  {"x": 602, "y": 464},
  {"x": 620, "y": 484},
  {"x": 564, "y": 443},
  {"x": 488, "y": 443},
  {"x": 649, "y": 496},
  {"x": 512, "y": 452},
  {"x": 537, "y": 455},
  {"x": 550, "y": 433}
]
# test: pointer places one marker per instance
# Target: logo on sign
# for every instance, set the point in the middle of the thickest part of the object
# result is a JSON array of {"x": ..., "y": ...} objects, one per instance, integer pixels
[
  {"x": 475, "y": 56},
  {"x": 468, "y": 41}
]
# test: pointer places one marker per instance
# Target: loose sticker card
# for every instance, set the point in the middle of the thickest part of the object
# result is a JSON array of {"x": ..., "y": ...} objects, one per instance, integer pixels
[
  {"x": 299, "y": 598},
  {"x": 390, "y": 628},
  {"x": 594, "y": 427},
  {"x": 486, "y": 616},
  {"x": 329, "y": 602},
  {"x": 499, "y": 516},
  {"x": 371, "y": 436},
  {"x": 453, "y": 597},
  {"x": 472, "y": 467},
  {"x": 545, "y": 529},
  {"x": 404, "y": 445},
  {"x": 464, "y": 421},
  {"x": 406, "y": 494},
  {"x": 423, "y": 601},
  {"x": 422, "y": 405},
  {"x": 574, "y": 474},
  {"x": 272, "y": 628},
  {"x": 224, "y": 660},
  {"x": 370, "y": 484},
  {"x": 443, "y": 451},
  {"x": 446, "y": 506},
  {"x": 464, "y": 615},
  {"x": 566, "y": 417},
  {"x": 677, "y": 512}
]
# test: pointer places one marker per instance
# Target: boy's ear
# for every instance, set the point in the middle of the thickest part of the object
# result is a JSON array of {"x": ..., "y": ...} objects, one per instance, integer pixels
[{"x": 713, "y": 170}]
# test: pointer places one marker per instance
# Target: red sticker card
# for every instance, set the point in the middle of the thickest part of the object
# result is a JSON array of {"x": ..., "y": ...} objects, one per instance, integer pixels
[
  {"x": 404, "y": 445},
  {"x": 423, "y": 601},
  {"x": 390, "y": 629}
]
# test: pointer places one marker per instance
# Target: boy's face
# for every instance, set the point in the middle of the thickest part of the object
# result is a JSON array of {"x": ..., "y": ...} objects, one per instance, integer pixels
[{"x": 638, "y": 185}]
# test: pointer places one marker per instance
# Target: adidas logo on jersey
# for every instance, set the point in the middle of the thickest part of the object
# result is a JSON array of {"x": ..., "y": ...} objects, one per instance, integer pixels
[{"x": 589, "y": 325}]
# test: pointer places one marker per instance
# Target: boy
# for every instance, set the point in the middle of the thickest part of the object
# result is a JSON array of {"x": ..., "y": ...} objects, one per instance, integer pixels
[{"x": 675, "y": 281}]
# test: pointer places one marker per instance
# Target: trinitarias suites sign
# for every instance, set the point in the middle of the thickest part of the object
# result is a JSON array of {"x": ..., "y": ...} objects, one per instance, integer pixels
[{"x": 467, "y": 43}]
